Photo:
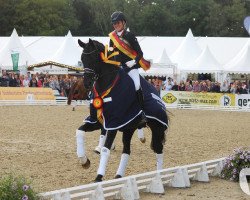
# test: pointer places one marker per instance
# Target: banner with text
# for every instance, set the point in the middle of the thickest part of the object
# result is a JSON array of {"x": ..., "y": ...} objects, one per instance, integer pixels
[
  {"x": 243, "y": 100},
  {"x": 21, "y": 93},
  {"x": 212, "y": 99}
]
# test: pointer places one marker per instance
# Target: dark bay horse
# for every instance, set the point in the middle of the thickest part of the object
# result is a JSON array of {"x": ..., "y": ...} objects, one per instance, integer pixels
[
  {"x": 114, "y": 106},
  {"x": 77, "y": 92}
]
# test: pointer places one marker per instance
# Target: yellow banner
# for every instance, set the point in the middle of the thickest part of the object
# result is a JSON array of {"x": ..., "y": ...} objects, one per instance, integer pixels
[
  {"x": 21, "y": 93},
  {"x": 200, "y": 98}
]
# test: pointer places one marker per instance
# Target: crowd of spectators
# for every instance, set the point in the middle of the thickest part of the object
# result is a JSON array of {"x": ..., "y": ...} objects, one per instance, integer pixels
[
  {"x": 62, "y": 83},
  {"x": 235, "y": 87}
]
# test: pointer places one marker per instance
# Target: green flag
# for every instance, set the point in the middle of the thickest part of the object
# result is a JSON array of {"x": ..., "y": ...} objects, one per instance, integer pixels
[{"x": 15, "y": 59}]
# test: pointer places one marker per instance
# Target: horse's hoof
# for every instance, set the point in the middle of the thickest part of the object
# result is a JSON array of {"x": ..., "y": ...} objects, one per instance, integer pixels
[
  {"x": 73, "y": 109},
  {"x": 143, "y": 140},
  {"x": 97, "y": 150},
  {"x": 118, "y": 176},
  {"x": 85, "y": 163},
  {"x": 98, "y": 178}
]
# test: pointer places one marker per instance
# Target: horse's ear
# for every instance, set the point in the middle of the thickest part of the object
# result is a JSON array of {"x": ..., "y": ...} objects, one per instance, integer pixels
[
  {"x": 82, "y": 44},
  {"x": 91, "y": 42}
]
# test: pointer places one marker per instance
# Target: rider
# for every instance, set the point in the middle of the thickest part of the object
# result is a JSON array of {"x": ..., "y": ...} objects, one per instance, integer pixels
[{"x": 130, "y": 65}]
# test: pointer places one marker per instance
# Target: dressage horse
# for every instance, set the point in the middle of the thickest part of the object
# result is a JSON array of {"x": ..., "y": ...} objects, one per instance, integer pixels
[
  {"x": 115, "y": 107},
  {"x": 79, "y": 92}
]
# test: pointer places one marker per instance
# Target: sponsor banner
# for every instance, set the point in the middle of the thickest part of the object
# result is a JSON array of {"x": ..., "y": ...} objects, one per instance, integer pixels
[
  {"x": 243, "y": 100},
  {"x": 200, "y": 98},
  {"x": 21, "y": 93}
]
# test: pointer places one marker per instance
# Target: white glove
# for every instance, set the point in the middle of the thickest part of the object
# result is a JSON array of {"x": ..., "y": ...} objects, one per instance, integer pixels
[{"x": 131, "y": 63}]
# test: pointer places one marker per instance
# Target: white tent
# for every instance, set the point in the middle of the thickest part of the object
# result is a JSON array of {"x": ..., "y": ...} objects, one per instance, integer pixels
[
  {"x": 69, "y": 53},
  {"x": 241, "y": 62},
  {"x": 162, "y": 67},
  {"x": 14, "y": 45},
  {"x": 205, "y": 63},
  {"x": 187, "y": 52},
  {"x": 164, "y": 59}
]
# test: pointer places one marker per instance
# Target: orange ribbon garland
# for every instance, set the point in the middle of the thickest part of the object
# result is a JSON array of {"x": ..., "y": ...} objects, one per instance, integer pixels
[
  {"x": 124, "y": 48},
  {"x": 105, "y": 93},
  {"x": 105, "y": 58}
]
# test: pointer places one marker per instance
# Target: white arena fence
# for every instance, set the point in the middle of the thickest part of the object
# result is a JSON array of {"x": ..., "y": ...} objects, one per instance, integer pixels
[
  {"x": 129, "y": 188},
  {"x": 57, "y": 102}
]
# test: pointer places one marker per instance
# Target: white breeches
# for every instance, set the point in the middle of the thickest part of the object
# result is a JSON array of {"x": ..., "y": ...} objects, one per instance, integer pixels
[{"x": 134, "y": 74}]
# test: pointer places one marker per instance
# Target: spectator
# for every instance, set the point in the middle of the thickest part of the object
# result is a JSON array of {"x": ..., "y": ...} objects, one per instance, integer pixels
[
  {"x": 232, "y": 88},
  {"x": 26, "y": 81},
  {"x": 216, "y": 87},
  {"x": 4, "y": 79},
  {"x": 188, "y": 87},
  {"x": 204, "y": 87},
  {"x": 175, "y": 86},
  {"x": 33, "y": 81},
  {"x": 168, "y": 85},
  {"x": 12, "y": 80},
  {"x": 244, "y": 89},
  {"x": 182, "y": 86},
  {"x": 196, "y": 86},
  {"x": 224, "y": 87}
]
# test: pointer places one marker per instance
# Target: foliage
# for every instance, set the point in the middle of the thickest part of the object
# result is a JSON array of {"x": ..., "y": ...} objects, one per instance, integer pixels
[
  {"x": 13, "y": 188},
  {"x": 234, "y": 163},
  {"x": 145, "y": 17}
]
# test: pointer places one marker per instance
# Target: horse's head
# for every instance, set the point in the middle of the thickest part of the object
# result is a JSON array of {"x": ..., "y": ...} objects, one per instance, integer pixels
[{"x": 91, "y": 60}]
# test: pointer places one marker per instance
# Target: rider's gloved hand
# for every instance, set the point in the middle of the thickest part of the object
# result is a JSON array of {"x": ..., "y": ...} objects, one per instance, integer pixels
[{"x": 131, "y": 63}]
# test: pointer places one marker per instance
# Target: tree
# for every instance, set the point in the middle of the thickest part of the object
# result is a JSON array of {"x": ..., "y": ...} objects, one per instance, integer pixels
[
  {"x": 8, "y": 8},
  {"x": 44, "y": 17}
]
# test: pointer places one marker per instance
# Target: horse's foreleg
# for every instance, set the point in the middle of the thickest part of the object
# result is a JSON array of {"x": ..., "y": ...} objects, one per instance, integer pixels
[
  {"x": 74, "y": 104},
  {"x": 80, "y": 143},
  {"x": 105, "y": 152},
  {"x": 126, "y": 139}
]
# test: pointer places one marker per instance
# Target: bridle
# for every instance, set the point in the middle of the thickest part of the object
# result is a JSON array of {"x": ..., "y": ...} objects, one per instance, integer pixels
[{"x": 91, "y": 71}]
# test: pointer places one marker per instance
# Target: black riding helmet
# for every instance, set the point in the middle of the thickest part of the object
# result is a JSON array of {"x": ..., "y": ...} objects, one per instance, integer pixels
[{"x": 117, "y": 16}]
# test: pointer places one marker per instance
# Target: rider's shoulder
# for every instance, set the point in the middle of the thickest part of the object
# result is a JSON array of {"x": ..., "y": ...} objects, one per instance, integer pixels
[{"x": 129, "y": 35}]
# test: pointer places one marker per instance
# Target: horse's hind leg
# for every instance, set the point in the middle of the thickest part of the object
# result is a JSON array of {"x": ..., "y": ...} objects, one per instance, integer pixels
[
  {"x": 140, "y": 135},
  {"x": 102, "y": 140},
  {"x": 105, "y": 153},
  {"x": 126, "y": 139},
  {"x": 157, "y": 142}
]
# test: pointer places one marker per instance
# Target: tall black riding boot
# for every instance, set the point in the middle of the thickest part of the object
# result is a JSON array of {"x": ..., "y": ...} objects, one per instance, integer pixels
[{"x": 140, "y": 98}]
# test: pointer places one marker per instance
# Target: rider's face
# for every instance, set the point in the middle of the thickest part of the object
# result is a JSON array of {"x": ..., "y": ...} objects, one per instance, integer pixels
[{"x": 119, "y": 26}]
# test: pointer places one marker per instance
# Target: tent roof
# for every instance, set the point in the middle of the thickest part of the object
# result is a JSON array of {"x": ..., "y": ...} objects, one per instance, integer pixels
[
  {"x": 164, "y": 59},
  {"x": 15, "y": 45},
  {"x": 187, "y": 51},
  {"x": 241, "y": 63},
  {"x": 68, "y": 53},
  {"x": 206, "y": 62}
]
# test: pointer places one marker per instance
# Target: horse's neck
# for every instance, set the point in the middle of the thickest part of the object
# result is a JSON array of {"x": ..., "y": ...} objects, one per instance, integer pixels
[{"x": 106, "y": 77}]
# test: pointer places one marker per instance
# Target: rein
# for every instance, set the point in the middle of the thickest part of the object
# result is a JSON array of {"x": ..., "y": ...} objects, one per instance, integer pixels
[{"x": 88, "y": 53}]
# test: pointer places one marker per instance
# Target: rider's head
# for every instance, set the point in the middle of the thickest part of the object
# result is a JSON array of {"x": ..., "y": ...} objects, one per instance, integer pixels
[{"x": 118, "y": 20}]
